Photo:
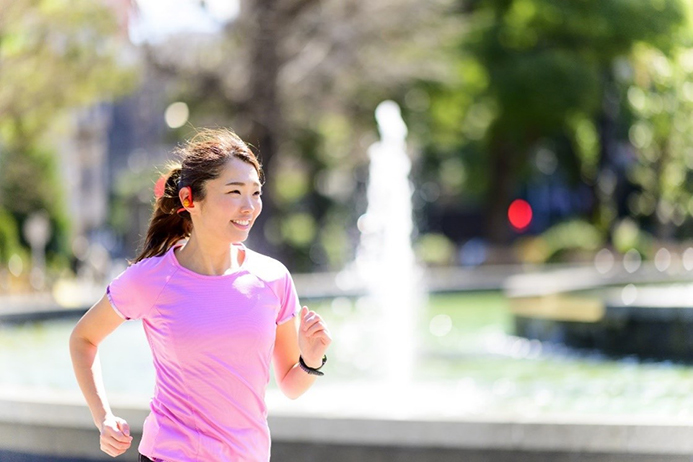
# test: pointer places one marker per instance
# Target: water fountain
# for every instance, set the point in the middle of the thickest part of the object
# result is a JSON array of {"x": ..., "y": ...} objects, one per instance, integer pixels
[{"x": 385, "y": 262}]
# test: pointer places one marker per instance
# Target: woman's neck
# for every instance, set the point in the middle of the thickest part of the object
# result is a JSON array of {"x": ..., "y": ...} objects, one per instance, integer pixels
[{"x": 210, "y": 260}]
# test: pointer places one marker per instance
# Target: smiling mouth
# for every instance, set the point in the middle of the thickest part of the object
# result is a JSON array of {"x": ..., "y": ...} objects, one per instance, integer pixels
[{"x": 242, "y": 223}]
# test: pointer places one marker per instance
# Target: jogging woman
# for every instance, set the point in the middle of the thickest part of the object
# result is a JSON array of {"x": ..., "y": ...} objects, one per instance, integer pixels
[{"x": 214, "y": 312}]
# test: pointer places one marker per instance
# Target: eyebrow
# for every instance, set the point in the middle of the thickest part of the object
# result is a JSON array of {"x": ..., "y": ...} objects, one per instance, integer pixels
[{"x": 240, "y": 183}]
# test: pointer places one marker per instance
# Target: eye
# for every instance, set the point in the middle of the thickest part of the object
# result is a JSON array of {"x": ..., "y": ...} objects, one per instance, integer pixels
[
  {"x": 258, "y": 193},
  {"x": 235, "y": 191}
]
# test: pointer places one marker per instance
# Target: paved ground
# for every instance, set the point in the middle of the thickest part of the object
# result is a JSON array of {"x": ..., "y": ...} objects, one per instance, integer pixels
[
  {"x": 294, "y": 452},
  {"x": 291, "y": 452},
  {"x": 8, "y": 456}
]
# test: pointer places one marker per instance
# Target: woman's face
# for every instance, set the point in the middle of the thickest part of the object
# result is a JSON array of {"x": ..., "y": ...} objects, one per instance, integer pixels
[{"x": 232, "y": 203}]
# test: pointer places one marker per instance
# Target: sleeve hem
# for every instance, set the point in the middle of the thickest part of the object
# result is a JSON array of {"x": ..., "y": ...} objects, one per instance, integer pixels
[
  {"x": 113, "y": 305},
  {"x": 285, "y": 320}
]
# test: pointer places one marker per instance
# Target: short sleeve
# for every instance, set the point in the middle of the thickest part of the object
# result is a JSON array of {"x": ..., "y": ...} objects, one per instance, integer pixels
[
  {"x": 289, "y": 303},
  {"x": 133, "y": 293}
]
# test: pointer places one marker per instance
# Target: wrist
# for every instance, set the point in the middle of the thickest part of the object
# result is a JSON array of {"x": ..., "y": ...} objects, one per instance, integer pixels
[
  {"x": 311, "y": 367},
  {"x": 313, "y": 363},
  {"x": 102, "y": 419}
]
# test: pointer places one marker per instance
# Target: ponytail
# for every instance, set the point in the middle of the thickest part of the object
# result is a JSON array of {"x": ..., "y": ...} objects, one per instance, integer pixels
[{"x": 166, "y": 226}]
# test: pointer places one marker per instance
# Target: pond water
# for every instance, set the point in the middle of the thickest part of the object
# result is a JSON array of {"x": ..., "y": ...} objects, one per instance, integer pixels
[{"x": 465, "y": 346}]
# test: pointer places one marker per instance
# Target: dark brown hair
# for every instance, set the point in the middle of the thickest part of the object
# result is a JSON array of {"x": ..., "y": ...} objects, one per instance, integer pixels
[{"x": 202, "y": 158}]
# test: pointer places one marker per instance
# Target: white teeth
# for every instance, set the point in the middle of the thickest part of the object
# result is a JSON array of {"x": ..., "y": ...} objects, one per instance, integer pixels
[{"x": 242, "y": 222}]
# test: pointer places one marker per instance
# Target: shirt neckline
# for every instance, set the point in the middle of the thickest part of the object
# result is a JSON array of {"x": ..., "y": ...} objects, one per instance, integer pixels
[{"x": 176, "y": 263}]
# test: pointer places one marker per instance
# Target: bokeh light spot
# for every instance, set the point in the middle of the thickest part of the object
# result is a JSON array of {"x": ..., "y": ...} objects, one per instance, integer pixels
[
  {"x": 688, "y": 259},
  {"x": 662, "y": 259},
  {"x": 15, "y": 265},
  {"x": 177, "y": 114},
  {"x": 604, "y": 261},
  {"x": 632, "y": 261},
  {"x": 440, "y": 325},
  {"x": 629, "y": 294},
  {"x": 520, "y": 214}
]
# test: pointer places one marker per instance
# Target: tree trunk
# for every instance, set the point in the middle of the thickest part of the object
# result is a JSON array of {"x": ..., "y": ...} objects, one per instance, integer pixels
[
  {"x": 263, "y": 31},
  {"x": 606, "y": 127},
  {"x": 663, "y": 231},
  {"x": 500, "y": 190}
]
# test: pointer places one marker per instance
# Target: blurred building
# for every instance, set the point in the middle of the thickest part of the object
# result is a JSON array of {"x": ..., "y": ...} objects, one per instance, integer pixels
[
  {"x": 108, "y": 151},
  {"x": 107, "y": 141},
  {"x": 83, "y": 153}
]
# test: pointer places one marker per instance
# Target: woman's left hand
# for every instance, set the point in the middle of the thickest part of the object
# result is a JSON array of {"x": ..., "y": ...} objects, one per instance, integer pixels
[{"x": 313, "y": 338}]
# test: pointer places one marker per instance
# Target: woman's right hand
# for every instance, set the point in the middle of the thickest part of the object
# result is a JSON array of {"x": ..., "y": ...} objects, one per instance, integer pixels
[
  {"x": 115, "y": 436},
  {"x": 96, "y": 325}
]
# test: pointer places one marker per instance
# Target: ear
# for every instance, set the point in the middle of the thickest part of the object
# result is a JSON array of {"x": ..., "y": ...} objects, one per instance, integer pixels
[{"x": 185, "y": 196}]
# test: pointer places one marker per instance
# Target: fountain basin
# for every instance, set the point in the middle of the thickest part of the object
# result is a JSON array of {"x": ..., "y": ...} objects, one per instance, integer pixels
[
  {"x": 307, "y": 429},
  {"x": 620, "y": 315}
]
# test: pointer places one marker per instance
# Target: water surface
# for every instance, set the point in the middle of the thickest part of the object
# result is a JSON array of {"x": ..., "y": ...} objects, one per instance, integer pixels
[{"x": 465, "y": 346}]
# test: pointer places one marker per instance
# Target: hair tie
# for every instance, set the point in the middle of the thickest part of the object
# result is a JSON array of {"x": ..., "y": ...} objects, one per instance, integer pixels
[{"x": 160, "y": 187}]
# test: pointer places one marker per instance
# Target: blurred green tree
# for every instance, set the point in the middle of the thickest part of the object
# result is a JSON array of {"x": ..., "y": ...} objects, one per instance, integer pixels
[
  {"x": 537, "y": 72},
  {"x": 659, "y": 95},
  {"x": 9, "y": 236},
  {"x": 300, "y": 79},
  {"x": 55, "y": 56}
]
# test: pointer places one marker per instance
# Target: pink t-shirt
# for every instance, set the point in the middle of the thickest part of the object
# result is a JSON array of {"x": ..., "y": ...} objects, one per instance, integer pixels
[{"x": 211, "y": 339}]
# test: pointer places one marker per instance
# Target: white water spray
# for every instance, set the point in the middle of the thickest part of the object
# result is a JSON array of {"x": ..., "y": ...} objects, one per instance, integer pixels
[{"x": 385, "y": 260}]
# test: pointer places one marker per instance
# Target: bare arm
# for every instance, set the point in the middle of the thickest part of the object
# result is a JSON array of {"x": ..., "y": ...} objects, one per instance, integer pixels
[
  {"x": 307, "y": 336},
  {"x": 95, "y": 326}
]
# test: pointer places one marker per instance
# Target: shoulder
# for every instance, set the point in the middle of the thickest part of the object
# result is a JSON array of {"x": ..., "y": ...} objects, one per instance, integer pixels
[
  {"x": 277, "y": 277},
  {"x": 135, "y": 290},
  {"x": 150, "y": 265},
  {"x": 265, "y": 267},
  {"x": 147, "y": 271}
]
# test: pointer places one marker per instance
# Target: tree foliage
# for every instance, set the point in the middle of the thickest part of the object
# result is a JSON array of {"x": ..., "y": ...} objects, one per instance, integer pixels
[
  {"x": 659, "y": 96},
  {"x": 537, "y": 73},
  {"x": 300, "y": 81},
  {"x": 55, "y": 56},
  {"x": 489, "y": 88}
]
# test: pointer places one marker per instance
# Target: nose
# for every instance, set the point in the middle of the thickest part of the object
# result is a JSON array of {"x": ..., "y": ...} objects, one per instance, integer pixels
[{"x": 247, "y": 206}]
